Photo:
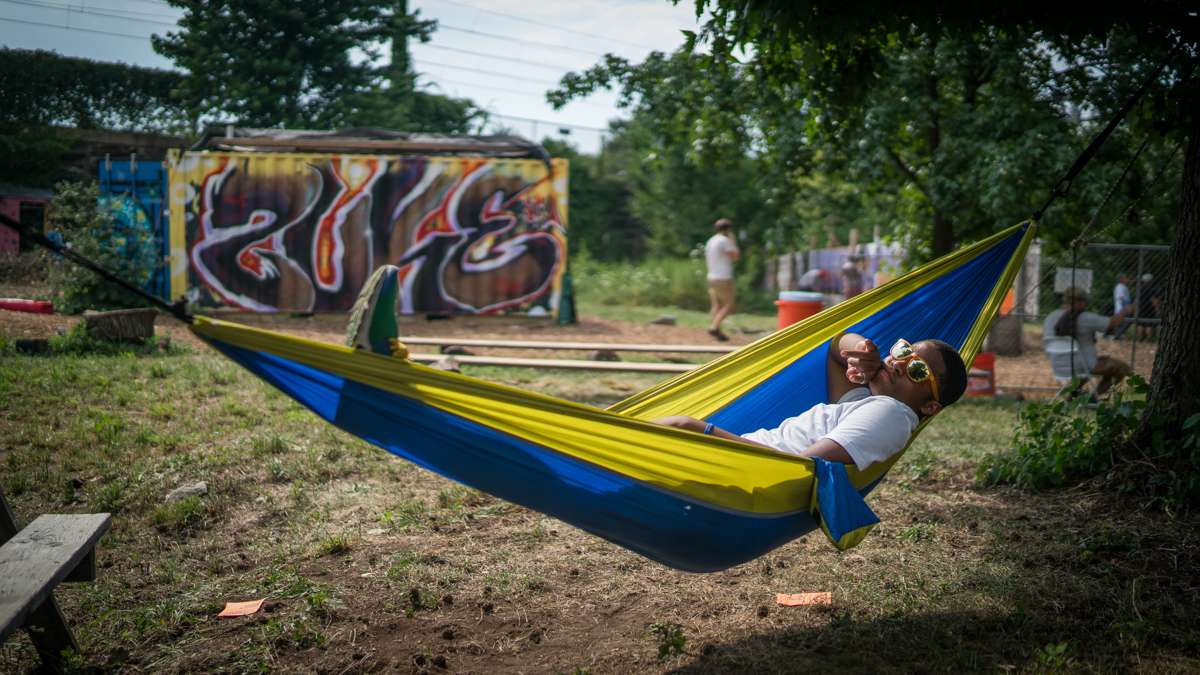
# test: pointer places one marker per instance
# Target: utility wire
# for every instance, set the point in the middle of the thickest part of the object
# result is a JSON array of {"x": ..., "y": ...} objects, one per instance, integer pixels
[
  {"x": 75, "y": 28},
  {"x": 456, "y": 50},
  {"x": 544, "y": 24},
  {"x": 485, "y": 72}
]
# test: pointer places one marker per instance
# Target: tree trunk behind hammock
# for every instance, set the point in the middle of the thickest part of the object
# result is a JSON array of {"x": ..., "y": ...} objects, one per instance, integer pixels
[{"x": 1175, "y": 384}]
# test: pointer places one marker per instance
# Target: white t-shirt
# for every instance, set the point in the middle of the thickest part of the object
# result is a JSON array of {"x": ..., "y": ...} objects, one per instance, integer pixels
[
  {"x": 1086, "y": 327},
  {"x": 870, "y": 428},
  {"x": 717, "y": 253},
  {"x": 1121, "y": 297}
]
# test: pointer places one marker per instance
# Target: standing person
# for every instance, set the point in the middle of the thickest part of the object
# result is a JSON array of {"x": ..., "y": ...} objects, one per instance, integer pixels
[
  {"x": 719, "y": 253},
  {"x": 1121, "y": 294},
  {"x": 1072, "y": 320},
  {"x": 1122, "y": 298},
  {"x": 852, "y": 278},
  {"x": 1148, "y": 304}
]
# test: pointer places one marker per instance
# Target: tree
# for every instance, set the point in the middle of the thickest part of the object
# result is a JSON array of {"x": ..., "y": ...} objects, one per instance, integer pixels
[
  {"x": 45, "y": 91},
  {"x": 272, "y": 63},
  {"x": 688, "y": 153},
  {"x": 841, "y": 45},
  {"x": 601, "y": 221}
]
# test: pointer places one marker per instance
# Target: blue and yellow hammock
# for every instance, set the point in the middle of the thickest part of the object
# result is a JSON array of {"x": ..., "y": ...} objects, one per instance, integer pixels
[{"x": 690, "y": 501}]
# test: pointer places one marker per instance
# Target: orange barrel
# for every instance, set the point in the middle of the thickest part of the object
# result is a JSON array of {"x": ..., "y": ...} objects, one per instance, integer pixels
[
  {"x": 798, "y": 305},
  {"x": 981, "y": 379}
]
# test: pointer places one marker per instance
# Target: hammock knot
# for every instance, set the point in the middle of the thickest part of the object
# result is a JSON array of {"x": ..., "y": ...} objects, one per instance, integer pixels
[{"x": 398, "y": 348}]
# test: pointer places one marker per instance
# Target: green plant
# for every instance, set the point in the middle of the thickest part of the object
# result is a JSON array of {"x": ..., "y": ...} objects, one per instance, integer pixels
[
  {"x": 671, "y": 639},
  {"x": 334, "y": 544},
  {"x": 104, "y": 230},
  {"x": 180, "y": 515},
  {"x": 1055, "y": 658},
  {"x": 1065, "y": 439}
]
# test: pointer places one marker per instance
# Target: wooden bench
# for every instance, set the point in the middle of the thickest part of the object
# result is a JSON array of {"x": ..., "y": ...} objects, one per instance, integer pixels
[{"x": 50, "y": 550}]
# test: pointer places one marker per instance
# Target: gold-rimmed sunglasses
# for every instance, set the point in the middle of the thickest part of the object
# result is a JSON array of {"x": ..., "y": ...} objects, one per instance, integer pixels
[{"x": 915, "y": 367}]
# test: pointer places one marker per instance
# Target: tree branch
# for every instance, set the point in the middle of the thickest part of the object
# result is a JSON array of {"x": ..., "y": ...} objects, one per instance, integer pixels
[{"x": 908, "y": 172}]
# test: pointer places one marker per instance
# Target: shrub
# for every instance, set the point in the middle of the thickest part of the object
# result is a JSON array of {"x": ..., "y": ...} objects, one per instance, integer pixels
[
  {"x": 1065, "y": 441},
  {"x": 105, "y": 232}
]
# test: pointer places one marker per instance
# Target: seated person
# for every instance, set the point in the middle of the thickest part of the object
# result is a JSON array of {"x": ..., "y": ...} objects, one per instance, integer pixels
[
  {"x": 1072, "y": 320},
  {"x": 875, "y": 405}
]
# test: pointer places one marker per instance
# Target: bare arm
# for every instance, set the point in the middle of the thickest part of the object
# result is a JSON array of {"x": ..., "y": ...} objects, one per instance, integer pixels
[
  {"x": 1116, "y": 319},
  {"x": 693, "y": 424},
  {"x": 827, "y": 449},
  {"x": 852, "y": 362},
  {"x": 824, "y": 448}
]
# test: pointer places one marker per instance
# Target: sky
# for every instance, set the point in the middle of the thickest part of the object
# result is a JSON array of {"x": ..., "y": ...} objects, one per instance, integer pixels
[{"x": 502, "y": 54}]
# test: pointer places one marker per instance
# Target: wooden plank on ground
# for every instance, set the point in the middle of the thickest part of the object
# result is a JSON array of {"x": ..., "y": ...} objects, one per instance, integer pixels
[
  {"x": 583, "y": 346},
  {"x": 39, "y": 557},
  {"x": 571, "y": 364}
]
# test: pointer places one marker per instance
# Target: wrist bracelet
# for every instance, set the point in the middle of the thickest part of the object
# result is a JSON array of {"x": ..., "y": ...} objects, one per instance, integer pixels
[{"x": 708, "y": 428}]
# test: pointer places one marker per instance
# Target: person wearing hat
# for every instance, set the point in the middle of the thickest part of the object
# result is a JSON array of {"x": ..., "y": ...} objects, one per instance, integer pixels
[
  {"x": 719, "y": 253},
  {"x": 1073, "y": 320}
]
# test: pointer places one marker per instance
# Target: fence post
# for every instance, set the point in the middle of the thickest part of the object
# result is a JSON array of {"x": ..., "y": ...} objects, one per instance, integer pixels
[{"x": 1137, "y": 308}]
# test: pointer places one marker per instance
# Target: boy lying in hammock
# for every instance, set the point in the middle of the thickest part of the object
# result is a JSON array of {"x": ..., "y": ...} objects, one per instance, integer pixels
[{"x": 875, "y": 404}]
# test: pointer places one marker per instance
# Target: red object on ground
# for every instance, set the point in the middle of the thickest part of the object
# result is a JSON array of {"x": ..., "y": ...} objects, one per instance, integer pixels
[
  {"x": 791, "y": 311},
  {"x": 33, "y": 306},
  {"x": 981, "y": 380}
]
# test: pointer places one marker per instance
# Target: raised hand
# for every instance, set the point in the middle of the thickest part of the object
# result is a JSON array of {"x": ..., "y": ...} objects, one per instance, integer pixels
[{"x": 862, "y": 362}]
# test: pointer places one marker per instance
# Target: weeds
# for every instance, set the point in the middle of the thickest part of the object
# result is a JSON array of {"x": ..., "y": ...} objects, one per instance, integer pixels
[
  {"x": 1067, "y": 440},
  {"x": 183, "y": 514},
  {"x": 670, "y": 637},
  {"x": 334, "y": 544}
]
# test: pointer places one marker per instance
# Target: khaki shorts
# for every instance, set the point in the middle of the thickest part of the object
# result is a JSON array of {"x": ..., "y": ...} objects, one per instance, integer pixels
[{"x": 720, "y": 292}]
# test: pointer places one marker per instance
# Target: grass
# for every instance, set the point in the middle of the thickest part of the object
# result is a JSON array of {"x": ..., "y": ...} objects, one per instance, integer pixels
[{"x": 371, "y": 563}]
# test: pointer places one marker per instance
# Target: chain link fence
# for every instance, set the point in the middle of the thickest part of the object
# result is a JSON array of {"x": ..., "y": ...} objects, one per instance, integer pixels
[{"x": 1114, "y": 276}]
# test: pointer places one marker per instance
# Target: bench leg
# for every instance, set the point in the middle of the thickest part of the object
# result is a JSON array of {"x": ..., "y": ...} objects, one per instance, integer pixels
[{"x": 50, "y": 634}]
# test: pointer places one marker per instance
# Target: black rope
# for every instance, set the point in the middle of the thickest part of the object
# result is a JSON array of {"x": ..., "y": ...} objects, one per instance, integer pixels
[
  {"x": 1061, "y": 257},
  {"x": 1064, "y": 185},
  {"x": 176, "y": 310}
]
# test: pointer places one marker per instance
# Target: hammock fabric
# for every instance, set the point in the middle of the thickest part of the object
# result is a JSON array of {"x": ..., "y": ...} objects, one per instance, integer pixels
[{"x": 690, "y": 501}]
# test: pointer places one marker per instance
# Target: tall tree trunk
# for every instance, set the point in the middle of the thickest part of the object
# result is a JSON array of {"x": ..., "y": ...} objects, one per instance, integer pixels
[
  {"x": 943, "y": 234},
  {"x": 1175, "y": 384}
]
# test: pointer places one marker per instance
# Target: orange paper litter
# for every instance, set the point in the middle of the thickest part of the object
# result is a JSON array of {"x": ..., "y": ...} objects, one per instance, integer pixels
[
  {"x": 798, "y": 599},
  {"x": 241, "y": 608}
]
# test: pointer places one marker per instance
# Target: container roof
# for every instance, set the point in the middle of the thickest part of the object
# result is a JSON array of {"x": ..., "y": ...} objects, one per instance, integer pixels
[{"x": 365, "y": 140}]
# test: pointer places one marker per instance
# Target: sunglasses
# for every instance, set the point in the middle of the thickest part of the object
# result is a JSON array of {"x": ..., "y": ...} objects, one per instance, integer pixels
[{"x": 915, "y": 367}]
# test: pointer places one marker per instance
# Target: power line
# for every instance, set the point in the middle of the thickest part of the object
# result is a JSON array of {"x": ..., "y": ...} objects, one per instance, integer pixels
[
  {"x": 456, "y": 50},
  {"x": 547, "y": 25},
  {"x": 551, "y": 122},
  {"x": 81, "y": 10},
  {"x": 85, "y": 30},
  {"x": 496, "y": 36},
  {"x": 511, "y": 90},
  {"x": 487, "y": 72}
]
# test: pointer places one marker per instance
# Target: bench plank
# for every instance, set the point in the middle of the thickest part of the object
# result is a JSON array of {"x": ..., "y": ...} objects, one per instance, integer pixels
[{"x": 39, "y": 557}]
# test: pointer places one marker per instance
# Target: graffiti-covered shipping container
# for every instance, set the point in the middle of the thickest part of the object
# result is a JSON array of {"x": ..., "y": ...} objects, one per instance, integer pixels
[
  {"x": 271, "y": 232},
  {"x": 133, "y": 194}
]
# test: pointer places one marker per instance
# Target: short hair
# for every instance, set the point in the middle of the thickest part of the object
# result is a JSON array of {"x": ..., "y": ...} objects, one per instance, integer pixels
[
  {"x": 952, "y": 381},
  {"x": 722, "y": 224},
  {"x": 1073, "y": 294}
]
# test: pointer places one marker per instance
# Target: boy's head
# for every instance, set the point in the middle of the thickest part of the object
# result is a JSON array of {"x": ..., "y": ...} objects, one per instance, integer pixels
[
  {"x": 723, "y": 225},
  {"x": 927, "y": 376}
]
